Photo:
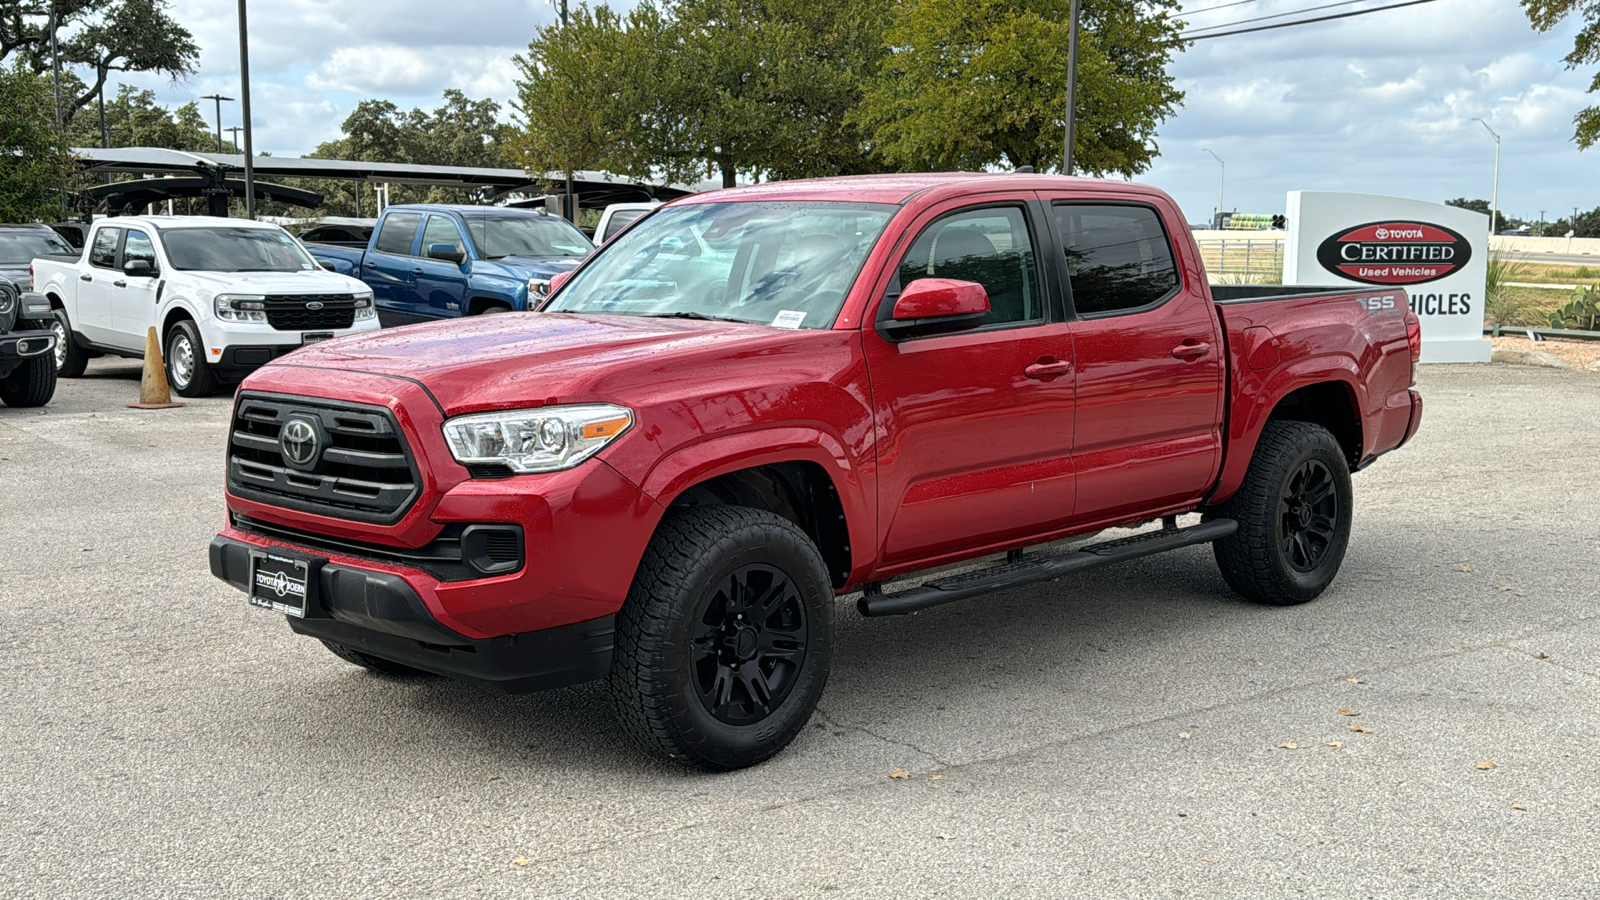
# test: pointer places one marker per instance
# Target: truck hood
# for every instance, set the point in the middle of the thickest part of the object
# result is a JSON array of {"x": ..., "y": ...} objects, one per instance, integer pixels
[
  {"x": 308, "y": 281},
  {"x": 534, "y": 359},
  {"x": 525, "y": 267}
]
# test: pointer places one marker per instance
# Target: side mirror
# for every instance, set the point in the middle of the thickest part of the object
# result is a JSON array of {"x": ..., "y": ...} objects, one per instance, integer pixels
[
  {"x": 327, "y": 265},
  {"x": 138, "y": 268},
  {"x": 556, "y": 281},
  {"x": 447, "y": 252},
  {"x": 930, "y": 306}
]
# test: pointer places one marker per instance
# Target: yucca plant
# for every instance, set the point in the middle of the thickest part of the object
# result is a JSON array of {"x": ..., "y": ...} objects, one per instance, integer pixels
[{"x": 1502, "y": 305}]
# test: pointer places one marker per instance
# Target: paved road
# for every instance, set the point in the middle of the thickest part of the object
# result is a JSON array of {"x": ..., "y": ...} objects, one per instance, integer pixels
[{"x": 158, "y": 738}]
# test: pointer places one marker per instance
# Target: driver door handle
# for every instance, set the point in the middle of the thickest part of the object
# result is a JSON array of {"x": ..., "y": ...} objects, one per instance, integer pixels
[
  {"x": 1191, "y": 350},
  {"x": 1048, "y": 366},
  {"x": 86, "y": 277},
  {"x": 120, "y": 283}
]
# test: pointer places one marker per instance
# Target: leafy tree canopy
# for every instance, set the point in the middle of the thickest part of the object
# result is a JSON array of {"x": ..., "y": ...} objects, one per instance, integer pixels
[
  {"x": 98, "y": 36},
  {"x": 1502, "y": 221},
  {"x": 1545, "y": 15},
  {"x": 33, "y": 161}
]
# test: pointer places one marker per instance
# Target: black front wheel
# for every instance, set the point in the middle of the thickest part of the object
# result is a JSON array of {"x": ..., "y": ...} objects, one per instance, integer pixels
[
  {"x": 1294, "y": 514},
  {"x": 724, "y": 643},
  {"x": 187, "y": 370}
]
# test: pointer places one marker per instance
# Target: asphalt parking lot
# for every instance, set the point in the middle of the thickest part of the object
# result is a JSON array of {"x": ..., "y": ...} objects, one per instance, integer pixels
[{"x": 1430, "y": 727}]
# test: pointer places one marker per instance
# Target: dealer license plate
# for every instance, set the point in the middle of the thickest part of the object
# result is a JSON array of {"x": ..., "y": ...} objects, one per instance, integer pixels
[
  {"x": 311, "y": 337},
  {"x": 280, "y": 583}
]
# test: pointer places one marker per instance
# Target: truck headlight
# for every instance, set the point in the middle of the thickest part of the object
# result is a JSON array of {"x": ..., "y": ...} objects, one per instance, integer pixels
[
  {"x": 241, "y": 307},
  {"x": 538, "y": 288},
  {"x": 364, "y": 308},
  {"x": 536, "y": 440}
]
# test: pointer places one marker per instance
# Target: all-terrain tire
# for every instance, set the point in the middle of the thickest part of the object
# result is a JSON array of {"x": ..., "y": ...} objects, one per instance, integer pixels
[
  {"x": 692, "y": 677},
  {"x": 372, "y": 663},
  {"x": 32, "y": 383},
  {"x": 69, "y": 359},
  {"x": 184, "y": 353},
  {"x": 1294, "y": 514}
]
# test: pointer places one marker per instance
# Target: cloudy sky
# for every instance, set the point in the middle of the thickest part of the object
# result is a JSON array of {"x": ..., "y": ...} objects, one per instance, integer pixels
[{"x": 1382, "y": 103}]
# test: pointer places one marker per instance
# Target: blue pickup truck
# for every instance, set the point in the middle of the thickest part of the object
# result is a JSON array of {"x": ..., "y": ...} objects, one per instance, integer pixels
[{"x": 431, "y": 261}]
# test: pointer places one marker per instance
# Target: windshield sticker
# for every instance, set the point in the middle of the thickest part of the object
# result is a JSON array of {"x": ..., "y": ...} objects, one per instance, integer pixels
[{"x": 789, "y": 318}]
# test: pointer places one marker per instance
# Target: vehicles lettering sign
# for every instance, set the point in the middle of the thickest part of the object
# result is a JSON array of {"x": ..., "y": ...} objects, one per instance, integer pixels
[{"x": 1395, "y": 253}]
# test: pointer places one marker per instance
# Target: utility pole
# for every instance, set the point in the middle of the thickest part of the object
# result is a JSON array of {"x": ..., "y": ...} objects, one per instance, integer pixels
[
  {"x": 571, "y": 203},
  {"x": 1072, "y": 92},
  {"x": 55, "y": 80},
  {"x": 1222, "y": 180},
  {"x": 233, "y": 133},
  {"x": 1541, "y": 223},
  {"x": 1494, "y": 203},
  {"x": 244, "y": 84},
  {"x": 219, "y": 98}
]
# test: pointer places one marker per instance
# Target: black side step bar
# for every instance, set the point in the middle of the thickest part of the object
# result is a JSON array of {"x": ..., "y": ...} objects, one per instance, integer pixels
[{"x": 1016, "y": 571}]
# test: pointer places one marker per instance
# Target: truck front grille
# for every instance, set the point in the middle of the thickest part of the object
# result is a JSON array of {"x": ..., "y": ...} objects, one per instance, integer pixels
[
  {"x": 345, "y": 460},
  {"x": 294, "y": 313}
]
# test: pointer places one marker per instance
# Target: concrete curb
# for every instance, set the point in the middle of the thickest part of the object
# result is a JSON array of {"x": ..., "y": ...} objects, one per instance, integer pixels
[{"x": 1529, "y": 358}]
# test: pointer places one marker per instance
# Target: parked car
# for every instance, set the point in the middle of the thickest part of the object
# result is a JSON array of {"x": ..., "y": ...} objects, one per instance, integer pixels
[
  {"x": 73, "y": 233},
  {"x": 225, "y": 295},
  {"x": 427, "y": 261},
  {"x": 761, "y": 398},
  {"x": 19, "y": 244},
  {"x": 27, "y": 369},
  {"x": 340, "y": 231},
  {"x": 618, "y": 216}
]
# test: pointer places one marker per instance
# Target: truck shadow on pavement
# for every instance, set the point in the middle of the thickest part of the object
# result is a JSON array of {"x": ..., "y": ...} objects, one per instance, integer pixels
[{"x": 1086, "y": 652}]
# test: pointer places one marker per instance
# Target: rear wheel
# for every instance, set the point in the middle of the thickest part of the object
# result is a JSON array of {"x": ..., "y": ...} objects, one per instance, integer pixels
[
  {"x": 69, "y": 358},
  {"x": 724, "y": 643},
  {"x": 1294, "y": 514},
  {"x": 187, "y": 370},
  {"x": 32, "y": 383},
  {"x": 371, "y": 663}
]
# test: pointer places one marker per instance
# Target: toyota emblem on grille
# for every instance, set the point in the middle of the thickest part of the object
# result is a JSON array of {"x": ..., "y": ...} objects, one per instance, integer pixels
[
  {"x": 315, "y": 304},
  {"x": 299, "y": 442}
]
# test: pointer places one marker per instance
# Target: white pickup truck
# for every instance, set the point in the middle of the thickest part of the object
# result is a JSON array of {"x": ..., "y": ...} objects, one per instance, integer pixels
[{"x": 225, "y": 295}]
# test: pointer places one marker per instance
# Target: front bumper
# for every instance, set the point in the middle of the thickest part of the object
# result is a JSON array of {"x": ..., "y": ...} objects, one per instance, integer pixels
[
  {"x": 17, "y": 345},
  {"x": 380, "y": 613}
]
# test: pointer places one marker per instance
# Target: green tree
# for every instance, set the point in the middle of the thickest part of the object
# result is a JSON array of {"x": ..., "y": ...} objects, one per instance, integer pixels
[
  {"x": 732, "y": 87},
  {"x": 134, "y": 119},
  {"x": 974, "y": 83},
  {"x": 33, "y": 160},
  {"x": 1547, "y": 14},
  {"x": 1502, "y": 221},
  {"x": 98, "y": 36}
]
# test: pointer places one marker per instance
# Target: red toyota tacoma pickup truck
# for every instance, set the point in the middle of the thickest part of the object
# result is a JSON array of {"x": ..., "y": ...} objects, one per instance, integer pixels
[{"x": 757, "y": 399}]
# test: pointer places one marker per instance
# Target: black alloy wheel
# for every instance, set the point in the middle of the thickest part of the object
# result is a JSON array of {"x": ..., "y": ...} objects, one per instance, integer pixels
[
  {"x": 1308, "y": 516},
  {"x": 749, "y": 644},
  {"x": 1294, "y": 514}
]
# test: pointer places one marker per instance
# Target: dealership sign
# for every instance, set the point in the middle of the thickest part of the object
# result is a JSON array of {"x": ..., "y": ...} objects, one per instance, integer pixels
[{"x": 1437, "y": 253}]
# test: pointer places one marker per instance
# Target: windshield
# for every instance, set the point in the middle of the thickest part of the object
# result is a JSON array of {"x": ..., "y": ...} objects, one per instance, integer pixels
[
  {"x": 774, "y": 263},
  {"x": 234, "y": 250},
  {"x": 531, "y": 235},
  {"x": 18, "y": 248}
]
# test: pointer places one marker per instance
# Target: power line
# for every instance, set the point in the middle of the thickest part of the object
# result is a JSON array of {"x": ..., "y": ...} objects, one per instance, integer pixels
[
  {"x": 1344, "y": 15},
  {"x": 1295, "y": 12},
  {"x": 1195, "y": 12}
]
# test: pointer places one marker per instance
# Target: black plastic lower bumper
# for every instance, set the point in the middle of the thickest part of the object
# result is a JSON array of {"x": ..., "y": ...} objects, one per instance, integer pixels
[
  {"x": 380, "y": 614},
  {"x": 26, "y": 344},
  {"x": 242, "y": 360}
]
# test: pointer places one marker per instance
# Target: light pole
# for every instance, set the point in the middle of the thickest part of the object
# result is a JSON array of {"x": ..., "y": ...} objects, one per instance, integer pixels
[
  {"x": 1541, "y": 223},
  {"x": 1072, "y": 92},
  {"x": 233, "y": 133},
  {"x": 219, "y": 98},
  {"x": 1494, "y": 203},
  {"x": 1222, "y": 179},
  {"x": 244, "y": 84}
]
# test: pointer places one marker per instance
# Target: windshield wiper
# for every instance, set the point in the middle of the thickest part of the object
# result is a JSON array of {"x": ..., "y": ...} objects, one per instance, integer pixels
[{"x": 694, "y": 315}]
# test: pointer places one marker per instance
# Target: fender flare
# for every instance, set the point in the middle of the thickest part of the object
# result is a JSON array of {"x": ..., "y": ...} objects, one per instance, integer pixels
[{"x": 1245, "y": 430}]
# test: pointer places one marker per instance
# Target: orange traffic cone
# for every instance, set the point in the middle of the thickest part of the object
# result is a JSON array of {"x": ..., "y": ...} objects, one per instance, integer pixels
[{"x": 153, "y": 390}]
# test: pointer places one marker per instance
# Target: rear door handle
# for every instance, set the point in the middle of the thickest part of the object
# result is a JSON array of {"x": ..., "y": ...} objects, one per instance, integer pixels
[
  {"x": 1047, "y": 367},
  {"x": 1191, "y": 350}
]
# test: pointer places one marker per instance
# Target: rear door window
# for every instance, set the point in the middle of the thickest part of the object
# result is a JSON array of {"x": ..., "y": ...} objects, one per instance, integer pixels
[
  {"x": 1118, "y": 257},
  {"x": 103, "y": 255},
  {"x": 398, "y": 233}
]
